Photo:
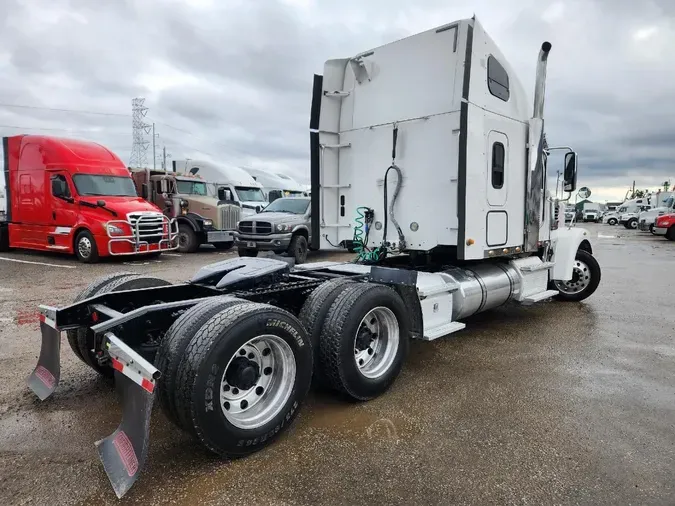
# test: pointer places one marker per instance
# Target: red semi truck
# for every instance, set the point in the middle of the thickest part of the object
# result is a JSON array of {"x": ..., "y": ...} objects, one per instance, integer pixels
[{"x": 75, "y": 197}]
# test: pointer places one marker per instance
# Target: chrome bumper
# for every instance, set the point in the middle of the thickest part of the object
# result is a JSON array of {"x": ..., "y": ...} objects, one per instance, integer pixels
[
  {"x": 219, "y": 236},
  {"x": 660, "y": 230},
  {"x": 263, "y": 242},
  {"x": 139, "y": 241}
]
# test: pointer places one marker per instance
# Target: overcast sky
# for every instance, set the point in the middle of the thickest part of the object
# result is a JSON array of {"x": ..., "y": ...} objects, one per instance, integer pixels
[{"x": 231, "y": 80}]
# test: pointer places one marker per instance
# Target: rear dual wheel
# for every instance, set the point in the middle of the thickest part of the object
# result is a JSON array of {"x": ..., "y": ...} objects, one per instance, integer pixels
[
  {"x": 237, "y": 374},
  {"x": 82, "y": 340},
  {"x": 364, "y": 340}
]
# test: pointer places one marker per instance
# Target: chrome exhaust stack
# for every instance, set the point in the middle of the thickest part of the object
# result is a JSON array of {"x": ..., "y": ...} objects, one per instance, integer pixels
[
  {"x": 535, "y": 174},
  {"x": 540, "y": 81}
]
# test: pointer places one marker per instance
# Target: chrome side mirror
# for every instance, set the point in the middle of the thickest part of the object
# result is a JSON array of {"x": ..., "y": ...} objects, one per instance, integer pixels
[{"x": 584, "y": 192}]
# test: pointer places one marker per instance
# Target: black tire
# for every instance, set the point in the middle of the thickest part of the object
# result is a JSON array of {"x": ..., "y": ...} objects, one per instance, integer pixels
[
  {"x": 612, "y": 221},
  {"x": 247, "y": 252},
  {"x": 188, "y": 242},
  {"x": 298, "y": 248},
  {"x": 4, "y": 238},
  {"x": 651, "y": 229},
  {"x": 172, "y": 348},
  {"x": 90, "y": 291},
  {"x": 337, "y": 342},
  {"x": 670, "y": 234},
  {"x": 85, "y": 247},
  {"x": 223, "y": 246},
  {"x": 313, "y": 314},
  {"x": 595, "y": 275},
  {"x": 198, "y": 383},
  {"x": 85, "y": 337},
  {"x": 632, "y": 224}
]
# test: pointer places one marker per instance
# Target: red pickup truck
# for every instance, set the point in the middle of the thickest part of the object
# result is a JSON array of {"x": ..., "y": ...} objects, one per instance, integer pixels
[
  {"x": 665, "y": 225},
  {"x": 75, "y": 197}
]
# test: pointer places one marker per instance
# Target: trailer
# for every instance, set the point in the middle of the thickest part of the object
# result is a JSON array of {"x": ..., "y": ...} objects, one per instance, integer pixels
[{"x": 419, "y": 125}]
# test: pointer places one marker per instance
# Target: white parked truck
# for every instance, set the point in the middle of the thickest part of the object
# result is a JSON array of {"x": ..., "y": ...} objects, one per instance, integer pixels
[
  {"x": 227, "y": 183},
  {"x": 627, "y": 210},
  {"x": 647, "y": 219},
  {"x": 592, "y": 211},
  {"x": 431, "y": 143},
  {"x": 277, "y": 185}
]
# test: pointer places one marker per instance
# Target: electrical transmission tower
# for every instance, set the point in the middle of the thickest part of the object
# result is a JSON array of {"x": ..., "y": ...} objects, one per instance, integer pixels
[{"x": 139, "y": 148}]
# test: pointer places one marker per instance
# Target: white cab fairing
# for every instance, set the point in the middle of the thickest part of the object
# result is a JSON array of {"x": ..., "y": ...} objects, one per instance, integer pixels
[{"x": 456, "y": 184}]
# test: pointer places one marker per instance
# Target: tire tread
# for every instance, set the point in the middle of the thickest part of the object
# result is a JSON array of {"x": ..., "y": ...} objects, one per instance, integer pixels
[{"x": 172, "y": 349}]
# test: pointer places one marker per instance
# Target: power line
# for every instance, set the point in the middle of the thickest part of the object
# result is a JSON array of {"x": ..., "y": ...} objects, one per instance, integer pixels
[{"x": 57, "y": 109}]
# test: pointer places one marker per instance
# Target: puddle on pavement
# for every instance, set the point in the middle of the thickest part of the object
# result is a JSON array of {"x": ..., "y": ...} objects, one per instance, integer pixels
[{"x": 343, "y": 419}]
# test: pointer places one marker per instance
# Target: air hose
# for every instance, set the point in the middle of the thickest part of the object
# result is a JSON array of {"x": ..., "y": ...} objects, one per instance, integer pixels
[
  {"x": 389, "y": 209},
  {"x": 364, "y": 217}
]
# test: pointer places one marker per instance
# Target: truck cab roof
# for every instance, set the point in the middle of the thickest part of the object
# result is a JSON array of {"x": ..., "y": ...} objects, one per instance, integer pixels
[{"x": 75, "y": 155}]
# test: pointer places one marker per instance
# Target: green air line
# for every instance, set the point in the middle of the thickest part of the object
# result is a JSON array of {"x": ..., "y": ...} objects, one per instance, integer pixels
[{"x": 365, "y": 255}]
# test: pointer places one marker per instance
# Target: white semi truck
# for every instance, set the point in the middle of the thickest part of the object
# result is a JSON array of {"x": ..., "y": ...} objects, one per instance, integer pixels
[
  {"x": 627, "y": 210},
  {"x": 665, "y": 202},
  {"x": 431, "y": 143},
  {"x": 277, "y": 185},
  {"x": 227, "y": 183}
]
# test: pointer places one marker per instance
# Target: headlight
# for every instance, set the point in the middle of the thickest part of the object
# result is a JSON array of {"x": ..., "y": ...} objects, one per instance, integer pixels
[
  {"x": 208, "y": 223},
  {"x": 115, "y": 230},
  {"x": 282, "y": 227}
]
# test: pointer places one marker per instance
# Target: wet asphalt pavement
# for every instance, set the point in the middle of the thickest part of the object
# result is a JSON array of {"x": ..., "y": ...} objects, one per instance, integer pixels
[{"x": 554, "y": 403}]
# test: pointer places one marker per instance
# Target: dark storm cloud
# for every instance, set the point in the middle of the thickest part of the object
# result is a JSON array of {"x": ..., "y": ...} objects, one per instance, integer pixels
[{"x": 237, "y": 75}]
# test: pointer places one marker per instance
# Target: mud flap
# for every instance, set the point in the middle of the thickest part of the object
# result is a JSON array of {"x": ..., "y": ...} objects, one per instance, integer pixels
[
  {"x": 123, "y": 453},
  {"x": 45, "y": 377}
]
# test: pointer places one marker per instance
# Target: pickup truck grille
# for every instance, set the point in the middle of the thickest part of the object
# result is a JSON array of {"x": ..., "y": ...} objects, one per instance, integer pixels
[
  {"x": 255, "y": 227},
  {"x": 148, "y": 227},
  {"x": 229, "y": 216}
]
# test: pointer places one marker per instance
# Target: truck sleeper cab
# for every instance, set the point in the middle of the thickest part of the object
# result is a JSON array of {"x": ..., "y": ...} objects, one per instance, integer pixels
[{"x": 76, "y": 197}]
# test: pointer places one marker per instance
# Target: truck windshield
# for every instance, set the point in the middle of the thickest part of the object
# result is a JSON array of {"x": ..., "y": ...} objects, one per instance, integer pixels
[
  {"x": 247, "y": 194},
  {"x": 191, "y": 187},
  {"x": 100, "y": 185},
  {"x": 292, "y": 193},
  {"x": 293, "y": 206}
]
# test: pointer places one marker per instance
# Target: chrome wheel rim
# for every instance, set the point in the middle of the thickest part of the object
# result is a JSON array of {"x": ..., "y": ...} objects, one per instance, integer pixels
[
  {"x": 633, "y": 224},
  {"x": 84, "y": 247},
  {"x": 581, "y": 278},
  {"x": 257, "y": 381},
  {"x": 376, "y": 342}
]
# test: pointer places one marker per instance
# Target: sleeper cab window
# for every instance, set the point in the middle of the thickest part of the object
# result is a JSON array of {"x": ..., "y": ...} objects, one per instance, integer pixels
[
  {"x": 498, "y": 79},
  {"x": 498, "y": 165}
]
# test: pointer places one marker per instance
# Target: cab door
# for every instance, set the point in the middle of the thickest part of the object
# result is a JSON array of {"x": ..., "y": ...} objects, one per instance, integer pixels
[{"x": 63, "y": 212}]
